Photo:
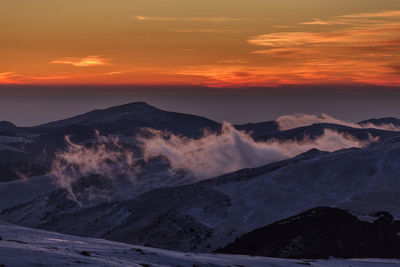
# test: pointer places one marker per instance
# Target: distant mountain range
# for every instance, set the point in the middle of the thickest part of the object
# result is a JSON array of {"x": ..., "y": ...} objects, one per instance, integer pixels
[
  {"x": 164, "y": 209},
  {"x": 32, "y": 152}
]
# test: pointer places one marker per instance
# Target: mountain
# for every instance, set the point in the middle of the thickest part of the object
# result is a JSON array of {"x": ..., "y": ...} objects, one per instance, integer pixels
[
  {"x": 322, "y": 233},
  {"x": 209, "y": 214},
  {"x": 259, "y": 129},
  {"x": 6, "y": 126},
  {"x": 381, "y": 121},
  {"x": 24, "y": 190},
  {"x": 20, "y": 246},
  {"x": 29, "y": 151},
  {"x": 168, "y": 209},
  {"x": 129, "y": 117},
  {"x": 315, "y": 130}
]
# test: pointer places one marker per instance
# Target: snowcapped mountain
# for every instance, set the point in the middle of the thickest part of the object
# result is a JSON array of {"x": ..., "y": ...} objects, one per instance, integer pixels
[
  {"x": 381, "y": 121},
  {"x": 29, "y": 151},
  {"x": 315, "y": 130},
  {"x": 106, "y": 186},
  {"x": 206, "y": 215}
]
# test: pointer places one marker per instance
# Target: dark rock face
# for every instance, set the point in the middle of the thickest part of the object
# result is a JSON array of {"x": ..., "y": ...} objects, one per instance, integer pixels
[{"x": 321, "y": 233}]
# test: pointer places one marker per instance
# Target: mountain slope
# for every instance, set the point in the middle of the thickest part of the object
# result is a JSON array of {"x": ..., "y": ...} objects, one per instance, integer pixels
[
  {"x": 6, "y": 126},
  {"x": 315, "y": 130},
  {"x": 322, "y": 233},
  {"x": 381, "y": 121},
  {"x": 24, "y": 190},
  {"x": 34, "y": 148},
  {"x": 223, "y": 208},
  {"x": 21, "y": 246}
]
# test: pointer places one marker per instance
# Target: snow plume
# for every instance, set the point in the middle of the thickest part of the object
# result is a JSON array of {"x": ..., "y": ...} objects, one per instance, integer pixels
[
  {"x": 216, "y": 154},
  {"x": 106, "y": 161},
  {"x": 287, "y": 122},
  {"x": 111, "y": 168}
]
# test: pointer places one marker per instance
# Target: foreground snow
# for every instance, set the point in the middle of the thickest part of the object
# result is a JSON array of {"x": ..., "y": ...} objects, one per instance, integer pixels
[{"x": 20, "y": 246}]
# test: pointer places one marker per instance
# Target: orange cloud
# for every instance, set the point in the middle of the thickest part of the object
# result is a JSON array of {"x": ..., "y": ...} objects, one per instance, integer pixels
[
  {"x": 381, "y": 14},
  {"x": 196, "y": 19},
  {"x": 323, "y": 22},
  {"x": 81, "y": 62},
  {"x": 362, "y": 51},
  {"x": 351, "y": 72},
  {"x": 9, "y": 77},
  {"x": 216, "y": 49}
]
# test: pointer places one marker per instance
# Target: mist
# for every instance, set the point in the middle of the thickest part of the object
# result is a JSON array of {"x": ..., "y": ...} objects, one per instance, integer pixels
[
  {"x": 216, "y": 154},
  {"x": 114, "y": 160},
  {"x": 107, "y": 157},
  {"x": 287, "y": 122}
]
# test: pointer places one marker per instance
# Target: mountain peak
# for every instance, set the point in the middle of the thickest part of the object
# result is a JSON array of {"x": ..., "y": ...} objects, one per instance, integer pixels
[
  {"x": 7, "y": 126},
  {"x": 133, "y": 106}
]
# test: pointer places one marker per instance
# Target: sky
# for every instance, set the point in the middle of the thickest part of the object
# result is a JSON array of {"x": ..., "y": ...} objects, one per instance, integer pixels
[
  {"x": 234, "y": 48},
  {"x": 213, "y": 43}
]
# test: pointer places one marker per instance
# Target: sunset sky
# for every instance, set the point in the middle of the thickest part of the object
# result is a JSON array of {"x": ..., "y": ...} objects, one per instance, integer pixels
[
  {"x": 218, "y": 43},
  {"x": 53, "y": 46}
]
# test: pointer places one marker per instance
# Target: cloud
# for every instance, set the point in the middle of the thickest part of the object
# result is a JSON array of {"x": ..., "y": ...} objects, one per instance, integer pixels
[
  {"x": 235, "y": 61},
  {"x": 193, "y": 19},
  {"x": 323, "y": 22},
  {"x": 50, "y": 77},
  {"x": 88, "y": 61},
  {"x": 355, "y": 18},
  {"x": 283, "y": 39},
  {"x": 205, "y": 31},
  {"x": 216, "y": 154},
  {"x": 226, "y": 75},
  {"x": 110, "y": 167},
  {"x": 346, "y": 37},
  {"x": 118, "y": 72},
  {"x": 358, "y": 51},
  {"x": 105, "y": 157},
  {"x": 9, "y": 77},
  {"x": 381, "y": 14},
  {"x": 288, "y": 122},
  {"x": 395, "y": 69}
]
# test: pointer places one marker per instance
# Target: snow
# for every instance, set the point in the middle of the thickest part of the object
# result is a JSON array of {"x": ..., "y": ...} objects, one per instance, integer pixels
[
  {"x": 20, "y": 191},
  {"x": 14, "y": 139},
  {"x": 20, "y": 246},
  {"x": 10, "y": 148},
  {"x": 362, "y": 181},
  {"x": 5, "y": 142}
]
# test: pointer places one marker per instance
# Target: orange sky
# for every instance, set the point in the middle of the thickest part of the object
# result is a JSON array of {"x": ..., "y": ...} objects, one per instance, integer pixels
[{"x": 220, "y": 43}]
